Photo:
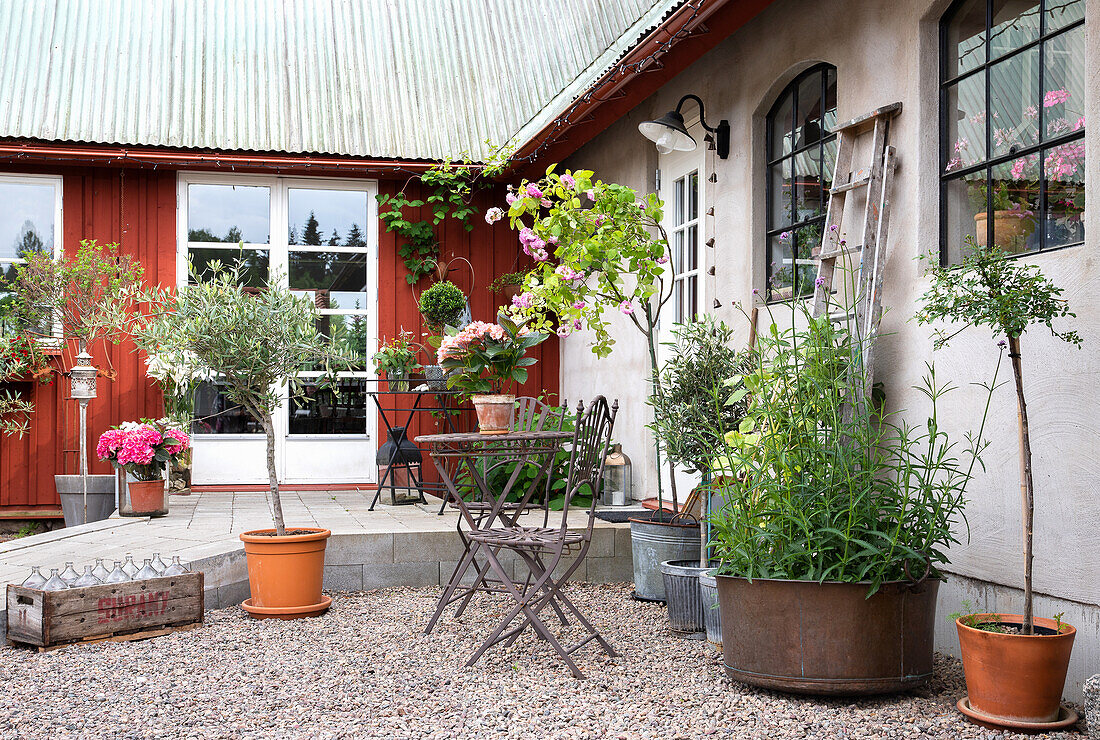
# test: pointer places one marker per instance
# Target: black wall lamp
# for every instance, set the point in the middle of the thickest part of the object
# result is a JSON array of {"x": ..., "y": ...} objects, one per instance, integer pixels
[{"x": 670, "y": 134}]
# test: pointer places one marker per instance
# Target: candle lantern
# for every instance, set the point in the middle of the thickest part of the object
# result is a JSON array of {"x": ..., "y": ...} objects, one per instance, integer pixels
[
  {"x": 82, "y": 378},
  {"x": 617, "y": 481}
]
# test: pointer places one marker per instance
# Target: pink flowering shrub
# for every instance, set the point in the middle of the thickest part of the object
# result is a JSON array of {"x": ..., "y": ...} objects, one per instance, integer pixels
[
  {"x": 142, "y": 448},
  {"x": 486, "y": 358}
]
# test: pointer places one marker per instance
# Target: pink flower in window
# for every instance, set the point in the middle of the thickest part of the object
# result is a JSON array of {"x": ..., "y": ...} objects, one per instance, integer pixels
[{"x": 1055, "y": 97}]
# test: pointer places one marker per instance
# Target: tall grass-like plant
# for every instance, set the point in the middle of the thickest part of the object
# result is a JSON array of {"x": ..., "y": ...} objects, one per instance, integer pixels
[
  {"x": 253, "y": 342},
  {"x": 820, "y": 488},
  {"x": 1006, "y": 296}
]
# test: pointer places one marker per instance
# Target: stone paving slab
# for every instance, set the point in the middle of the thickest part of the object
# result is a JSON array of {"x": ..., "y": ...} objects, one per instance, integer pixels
[{"x": 391, "y": 546}]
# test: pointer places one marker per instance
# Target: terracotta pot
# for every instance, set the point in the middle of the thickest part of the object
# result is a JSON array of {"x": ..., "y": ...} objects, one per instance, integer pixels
[
  {"x": 827, "y": 638},
  {"x": 147, "y": 496},
  {"x": 510, "y": 292},
  {"x": 1017, "y": 678},
  {"x": 494, "y": 413},
  {"x": 1010, "y": 230},
  {"x": 285, "y": 573}
]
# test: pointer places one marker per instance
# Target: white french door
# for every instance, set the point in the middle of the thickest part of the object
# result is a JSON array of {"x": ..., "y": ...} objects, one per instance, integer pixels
[{"x": 319, "y": 237}]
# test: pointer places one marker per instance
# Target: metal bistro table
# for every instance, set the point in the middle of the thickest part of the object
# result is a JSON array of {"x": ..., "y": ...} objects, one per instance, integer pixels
[
  {"x": 442, "y": 396},
  {"x": 480, "y": 454}
]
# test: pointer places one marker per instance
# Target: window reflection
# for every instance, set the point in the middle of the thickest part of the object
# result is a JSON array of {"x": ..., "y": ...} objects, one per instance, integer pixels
[
  {"x": 336, "y": 408},
  {"x": 215, "y": 413}
]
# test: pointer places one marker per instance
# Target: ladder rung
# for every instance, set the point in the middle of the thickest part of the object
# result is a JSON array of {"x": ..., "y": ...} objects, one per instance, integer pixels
[
  {"x": 861, "y": 182},
  {"x": 887, "y": 110},
  {"x": 840, "y": 252},
  {"x": 847, "y": 316}
]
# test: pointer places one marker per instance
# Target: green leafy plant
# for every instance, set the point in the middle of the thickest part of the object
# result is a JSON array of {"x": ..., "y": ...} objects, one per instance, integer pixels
[
  {"x": 442, "y": 305},
  {"x": 450, "y": 188},
  {"x": 700, "y": 359},
  {"x": 1005, "y": 295},
  {"x": 21, "y": 359},
  {"x": 597, "y": 247},
  {"x": 486, "y": 358},
  {"x": 397, "y": 357},
  {"x": 508, "y": 279},
  {"x": 816, "y": 487},
  {"x": 254, "y": 342}
]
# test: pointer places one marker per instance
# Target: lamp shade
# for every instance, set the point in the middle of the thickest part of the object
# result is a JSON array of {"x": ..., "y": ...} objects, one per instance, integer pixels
[{"x": 669, "y": 133}]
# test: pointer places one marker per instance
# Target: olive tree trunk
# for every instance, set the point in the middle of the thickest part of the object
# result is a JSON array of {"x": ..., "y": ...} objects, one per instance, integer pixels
[
  {"x": 1027, "y": 489},
  {"x": 273, "y": 479}
]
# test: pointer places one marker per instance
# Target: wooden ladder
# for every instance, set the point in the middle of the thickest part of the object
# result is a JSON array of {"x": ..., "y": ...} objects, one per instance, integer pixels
[{"x": 876, "y": 177}]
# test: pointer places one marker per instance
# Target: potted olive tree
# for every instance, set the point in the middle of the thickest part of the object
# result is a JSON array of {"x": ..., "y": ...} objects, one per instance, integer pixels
[
  {"x": 835, "y": 518},
  {"x": 598, "y": 246},
  {"x": 701, "y": 360},
  {"x": 254, "y": 343},
  {"x": 89, "y": 296},
  {"x": 1015, "y": 665}
]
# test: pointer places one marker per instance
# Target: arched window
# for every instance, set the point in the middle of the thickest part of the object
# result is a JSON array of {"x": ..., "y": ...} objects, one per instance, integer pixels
[
  {"x": 1012, "y": 125},
  {"x": 801, "y": 150}
]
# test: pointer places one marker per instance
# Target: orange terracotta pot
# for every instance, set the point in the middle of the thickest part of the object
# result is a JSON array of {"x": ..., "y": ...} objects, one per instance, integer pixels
[
  {"x": 147, "y": 496},
  {"x": 1010, "y": 230},
  {"x": 285, "y": 573},
  {"x": 1015, "y": 678},
  {"x": 494, "y": 413}
]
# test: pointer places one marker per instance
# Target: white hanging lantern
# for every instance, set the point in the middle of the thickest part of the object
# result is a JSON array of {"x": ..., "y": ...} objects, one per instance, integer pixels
[{"x": 82, "y": 378}]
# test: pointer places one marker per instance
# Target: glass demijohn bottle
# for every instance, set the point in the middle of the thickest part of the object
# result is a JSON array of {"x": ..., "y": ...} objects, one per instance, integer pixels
[
  {"x": 54, "y": 583},
  {"x": 118, "y": 575},
  {"x": 87, "y": 579},
  {"x": 69, "y": 575},
  {"x": 35, "y": 579}
]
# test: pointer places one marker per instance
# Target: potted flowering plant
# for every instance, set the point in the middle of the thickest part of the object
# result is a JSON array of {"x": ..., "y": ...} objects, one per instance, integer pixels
[
  {"x": 1015, "y": 665},
  {"x": 22, "y": 361},
  {"x": 144, "y": 449},
  {"x": 486, "y": 359},
  {"x": 397, "y": 359}
]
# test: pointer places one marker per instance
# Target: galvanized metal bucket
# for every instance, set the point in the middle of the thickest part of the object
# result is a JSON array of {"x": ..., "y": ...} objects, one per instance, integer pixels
[
  {"x": 101, "y": 498},
  {"x": 653, "y": 543},
  {"x": 685, "y": 607},
  {"x": 712, "y": 618}
]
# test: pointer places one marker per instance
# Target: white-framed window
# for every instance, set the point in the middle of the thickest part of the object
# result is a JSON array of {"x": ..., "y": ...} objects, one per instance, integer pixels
[
  {"x": 30, "y": 222},
  {"x": 684, "y": 242},
  {"x": 319, "y": 237}
]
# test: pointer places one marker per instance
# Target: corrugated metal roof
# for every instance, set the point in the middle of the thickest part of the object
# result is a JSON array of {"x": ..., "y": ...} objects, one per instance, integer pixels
[{"x": 382, "y": 78}]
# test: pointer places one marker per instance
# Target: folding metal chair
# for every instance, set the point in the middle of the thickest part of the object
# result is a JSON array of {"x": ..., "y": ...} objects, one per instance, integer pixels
[
  {"x": 542, "y": 548},
  {"x": 531, "y": 415}
]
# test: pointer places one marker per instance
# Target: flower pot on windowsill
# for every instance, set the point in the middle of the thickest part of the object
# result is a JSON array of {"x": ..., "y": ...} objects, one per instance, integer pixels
[
  {"x": 285, "y": 574},
  {"x": 494, "y": 412},
  {"x": 1011, "y": 230},
  {"x": 1014, "y": 681}
]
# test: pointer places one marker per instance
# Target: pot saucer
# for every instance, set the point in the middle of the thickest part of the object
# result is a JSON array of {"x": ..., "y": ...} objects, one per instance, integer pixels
[
  {"x": 287, "y": 612},
  {"x": 1066, "y": 718}
]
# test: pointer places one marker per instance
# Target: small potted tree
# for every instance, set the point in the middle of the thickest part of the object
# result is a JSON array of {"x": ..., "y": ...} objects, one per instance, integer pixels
[
  {"x": 1015, "y": 665},
  {"x": 90, "y": 296},
  {"x": 600, "y": 249},
  {"x": 254, "y": 343}
]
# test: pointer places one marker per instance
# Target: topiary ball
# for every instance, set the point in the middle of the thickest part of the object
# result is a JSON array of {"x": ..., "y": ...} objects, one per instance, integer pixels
[{"x": 442, "y": 304}]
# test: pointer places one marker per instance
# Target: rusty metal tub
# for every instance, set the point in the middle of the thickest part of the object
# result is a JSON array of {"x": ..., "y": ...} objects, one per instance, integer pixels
[{"x": 827, "y": 638}]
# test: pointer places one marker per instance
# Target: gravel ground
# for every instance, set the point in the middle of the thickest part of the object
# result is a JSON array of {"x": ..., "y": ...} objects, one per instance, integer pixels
[{"x": 365, "y": 670}]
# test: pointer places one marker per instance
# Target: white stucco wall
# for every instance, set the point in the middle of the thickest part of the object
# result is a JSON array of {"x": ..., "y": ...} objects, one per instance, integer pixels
[{"x": 887, "y": 51}]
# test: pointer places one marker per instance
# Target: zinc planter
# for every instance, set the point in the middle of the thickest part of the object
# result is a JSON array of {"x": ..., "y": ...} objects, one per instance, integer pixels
[
  {"x": 1016, "y": 681},
  {"x": 654, "y": 542},
  {"x": 712, "y": 620},
  {"x": 827, "y": 638},
  {"x": 685, "y": 605},
  {"x": 101, "y": 498},
  {"x": 494, "y": 412},
  {"x": 285, "y": 574}
]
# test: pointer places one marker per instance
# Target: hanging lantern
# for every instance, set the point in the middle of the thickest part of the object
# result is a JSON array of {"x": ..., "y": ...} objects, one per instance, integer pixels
[
  {"x": 82, "y": 378},
  {"x": 616, "y": 489}
]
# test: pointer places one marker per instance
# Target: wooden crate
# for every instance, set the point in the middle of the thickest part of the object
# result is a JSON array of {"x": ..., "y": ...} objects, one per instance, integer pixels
[{"x": 115, "y": 611}]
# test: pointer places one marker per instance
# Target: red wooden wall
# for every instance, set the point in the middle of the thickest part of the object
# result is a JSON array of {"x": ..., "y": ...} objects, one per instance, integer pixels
[{"x": 137, "y": 208}]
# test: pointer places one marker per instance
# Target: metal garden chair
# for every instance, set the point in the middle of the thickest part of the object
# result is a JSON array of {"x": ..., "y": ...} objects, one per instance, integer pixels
[
  {"x": 542, "y": 549},
  {"x": 531, "y": 415}
]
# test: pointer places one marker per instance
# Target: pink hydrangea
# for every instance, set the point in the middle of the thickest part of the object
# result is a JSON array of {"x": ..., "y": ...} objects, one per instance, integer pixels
[
  {"x": 181, "y": 437},
  {"x": 472, "y": 334}
]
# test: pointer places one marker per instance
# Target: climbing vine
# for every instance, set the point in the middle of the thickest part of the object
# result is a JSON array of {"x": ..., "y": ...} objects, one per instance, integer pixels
[{"x": 450, "y": 188}]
